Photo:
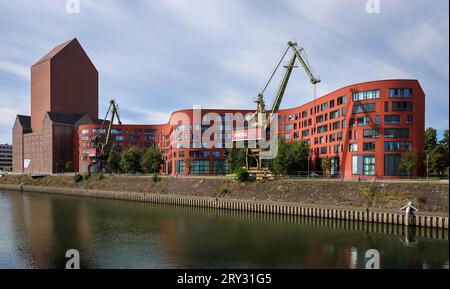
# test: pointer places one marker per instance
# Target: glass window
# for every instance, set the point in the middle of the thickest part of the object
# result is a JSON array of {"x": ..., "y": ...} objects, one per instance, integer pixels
[
  {"x": 287, "y": 126},
  {"x": 392, "y": 119},
  {"x": 363, "y": 108},
  {"x": 396, "y": 132},
  {"x": 368, "y": 146},
  {"x": 369, "y": 94},
  {"x": 400, "y": 92},
  {"x": 409, "y": 119},
  {"x": 402, "y": 106},
  {"x": 353, "y": 147},
  {"x": 341, "y": 100},
  {"x": 397, "y": 145},
  {"x": 371, "y": 133},
  {"x": 369, "y": 165},
  {"x": 84, "y": 131},
  {"x": 200, "y": 167}
]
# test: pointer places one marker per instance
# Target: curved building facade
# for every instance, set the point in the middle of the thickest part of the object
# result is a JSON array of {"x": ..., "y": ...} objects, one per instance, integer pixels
[{"x": 364, "y": 128}]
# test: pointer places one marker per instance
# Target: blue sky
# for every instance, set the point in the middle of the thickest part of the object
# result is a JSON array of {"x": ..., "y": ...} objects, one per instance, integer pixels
[{"x": 155, "y": 57}]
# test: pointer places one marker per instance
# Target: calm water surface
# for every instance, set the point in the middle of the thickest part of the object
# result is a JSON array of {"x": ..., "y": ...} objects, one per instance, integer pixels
[{"x": 37, "y": 229}]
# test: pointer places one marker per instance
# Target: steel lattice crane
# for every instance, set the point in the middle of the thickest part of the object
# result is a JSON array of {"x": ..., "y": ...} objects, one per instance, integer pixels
[
  {"x": 101, "y": 143},
  {"x": 263, "y": 116}
]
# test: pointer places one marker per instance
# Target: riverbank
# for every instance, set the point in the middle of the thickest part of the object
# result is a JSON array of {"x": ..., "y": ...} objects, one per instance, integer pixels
[{"x": 388, "y": 196}]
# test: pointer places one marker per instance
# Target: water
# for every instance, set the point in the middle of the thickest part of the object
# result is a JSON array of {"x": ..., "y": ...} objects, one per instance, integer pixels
[{"x": 37, "y": 229}]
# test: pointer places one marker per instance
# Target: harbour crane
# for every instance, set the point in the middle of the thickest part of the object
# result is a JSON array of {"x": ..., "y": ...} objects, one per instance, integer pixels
[
  {"x": 264, "y": 117},
  {"x": 100, "y": 142}
]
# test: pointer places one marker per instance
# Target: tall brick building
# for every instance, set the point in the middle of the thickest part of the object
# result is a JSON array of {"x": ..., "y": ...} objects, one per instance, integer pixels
[{"x": 64, "y": 94}]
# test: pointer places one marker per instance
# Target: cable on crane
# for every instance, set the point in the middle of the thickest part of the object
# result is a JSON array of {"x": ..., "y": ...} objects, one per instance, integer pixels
[{"x": 274, "y": 71}]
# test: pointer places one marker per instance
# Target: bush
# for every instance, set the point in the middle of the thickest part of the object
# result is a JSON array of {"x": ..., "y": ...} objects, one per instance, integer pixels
[
  {"x": 156, "y": 177},
  {"x": 86, "y": 176},
  {"x": 69, "y": 166},
  {"x": 223, "y": 191},
  {"x": 100, "y": 176},
  {"x": 77, "y": 178},
  {"x": 241, "y": 174}
]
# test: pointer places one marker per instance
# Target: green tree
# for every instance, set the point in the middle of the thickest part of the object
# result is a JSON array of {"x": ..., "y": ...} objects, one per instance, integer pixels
[
  {"x": 438, "y": 159},
  {"x": 430, "y": 139},
  {"x": 130, "y": 160},
  {"x": 291, "y": 157},
  {"x": 236, "y": 158},
  {"x": 113, "y": 161},
  {"x": 409, "y": 161},
  {"x": 444, "y": 140},
  {"x": 151, "y": 160},
  {"x": 326, "y": 165},
  {"x": 69, "y": 166}
]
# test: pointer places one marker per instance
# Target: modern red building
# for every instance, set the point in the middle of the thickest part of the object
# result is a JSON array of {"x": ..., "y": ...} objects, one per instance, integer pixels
[{"x": 364, "y": 127}]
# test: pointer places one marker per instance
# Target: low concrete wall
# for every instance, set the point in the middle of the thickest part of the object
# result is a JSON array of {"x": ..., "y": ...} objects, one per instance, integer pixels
[{"x": 351, "y": 214}]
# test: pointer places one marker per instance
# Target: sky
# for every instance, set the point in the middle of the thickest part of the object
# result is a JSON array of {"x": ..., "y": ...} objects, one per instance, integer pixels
[{"x": 155, "y": 57}]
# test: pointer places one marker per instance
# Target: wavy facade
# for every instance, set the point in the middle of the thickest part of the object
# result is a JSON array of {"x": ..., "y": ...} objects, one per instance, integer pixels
[{"x": 363, "y": 127}]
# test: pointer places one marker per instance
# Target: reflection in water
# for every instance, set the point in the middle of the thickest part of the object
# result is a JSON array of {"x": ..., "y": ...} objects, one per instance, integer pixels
[{"x": 37, "y": 230}]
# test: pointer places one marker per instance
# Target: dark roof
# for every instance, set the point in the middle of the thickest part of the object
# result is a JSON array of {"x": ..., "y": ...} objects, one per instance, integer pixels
[
  {"x": 25, "y": 121},
  {"x": 54, "y": 51},
  {"x": 64, "y": 118}
]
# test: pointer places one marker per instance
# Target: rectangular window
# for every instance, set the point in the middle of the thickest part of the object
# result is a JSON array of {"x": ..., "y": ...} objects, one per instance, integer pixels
[
  {"x": 409, "y": 119},
  {"x": 353, "y": 147},
  {"x": 371, "y": 133},
  {"x": 363, "y": 165},
  {"x": 392, "y": 119},
  {"x": 344, "y": 123},
  {"x": 84, "y": 131},
  {"x": 369, "y": 165},
  {"x": 368, "y": 146},
  {"x": 332, "y": 103},
  {"x": 287, "y": 136},
  {"x": 363, "y": 108},
  {"x": 336, "y": 148},
  {"x": 369, "y": 94},
  {"x": 336, "y": 125},
  {"x": 341, "y": 100},
  {"x": 332, "y": 137},
  {"x": 334, "y": 114},
  {"x": 305, "y": 132},
  {"x": 386, "y": 106},
  {"x": 397, "y": 145},
  {"x": 400, "y": 92},
  {"x": 287, "y": 126},
  {"x": 391, "y": 165},
  {"x": 304, "y": 113},
  {"x": 321, "y": 129},
  {"x": 377, "y": 120},
  {"x": 319, "y": 119},
  {"x": 324, "y": 106},
  {"x": 402, "y": 106},
  {"x": 396, "y": 132},
  {"x": 200, "y": 167},
  {"x": 362, "y": 121},
  {"x": 339, "y": 136}
]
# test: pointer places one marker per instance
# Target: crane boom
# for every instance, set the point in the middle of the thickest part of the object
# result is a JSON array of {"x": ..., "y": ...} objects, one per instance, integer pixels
[{"x": 314, "y": 79}]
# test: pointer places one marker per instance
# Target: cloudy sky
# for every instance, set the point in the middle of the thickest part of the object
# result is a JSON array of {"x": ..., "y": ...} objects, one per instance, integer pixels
[{"x": 158, "y": 56}]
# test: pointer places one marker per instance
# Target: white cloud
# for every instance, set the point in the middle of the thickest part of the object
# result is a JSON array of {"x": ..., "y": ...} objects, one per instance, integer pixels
[{"x": 16, "y": 69}]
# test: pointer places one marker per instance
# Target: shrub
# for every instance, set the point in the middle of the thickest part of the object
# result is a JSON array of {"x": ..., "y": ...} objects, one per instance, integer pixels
[
  {"x": 156, "y": 177},
  {"x": 86, "y": 176},
  {"x": 241, "y": 174},
  {"x": 69, "y": 166},
  {"x": 223, "y": 191},
  {"x": 100, "y": 176},
  {"x": 77, "y": 178}
]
